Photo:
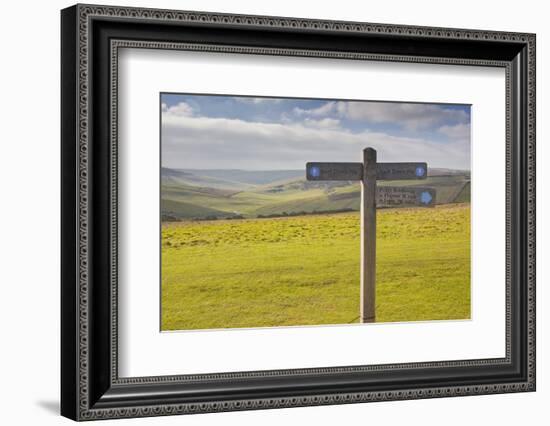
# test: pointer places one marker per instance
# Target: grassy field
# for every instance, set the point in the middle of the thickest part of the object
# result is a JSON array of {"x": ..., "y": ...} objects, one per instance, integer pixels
[{"x": 304, "y": 270}]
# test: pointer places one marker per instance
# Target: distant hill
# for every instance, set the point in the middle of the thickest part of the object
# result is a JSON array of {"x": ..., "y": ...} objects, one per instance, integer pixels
[
  {"x": 232, "y": 177},
  {"x": 183, "y": 177},
  {"x": 217, "y": 193},
  {"x": 435, "y": 171},
  {"x": 181, "y": 210}
]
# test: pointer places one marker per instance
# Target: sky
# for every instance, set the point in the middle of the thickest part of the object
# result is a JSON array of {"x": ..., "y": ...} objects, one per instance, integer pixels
[{"x": 255, "y": 133}]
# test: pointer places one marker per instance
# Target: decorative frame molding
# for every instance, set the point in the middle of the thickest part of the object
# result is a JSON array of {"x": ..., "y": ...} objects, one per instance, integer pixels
[{"x": 91, "y": 37}]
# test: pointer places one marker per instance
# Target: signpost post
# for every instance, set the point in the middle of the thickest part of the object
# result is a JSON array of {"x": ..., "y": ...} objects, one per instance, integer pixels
[
  {"x": 368, "y": 172},
  {"x": 368, "y": 236}
]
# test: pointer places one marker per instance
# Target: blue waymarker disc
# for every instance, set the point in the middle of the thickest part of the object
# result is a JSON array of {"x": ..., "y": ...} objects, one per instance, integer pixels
[
  {"x": 425, "y": 197},
  {"x": 420, "y": 171},
  {"x": 314, "y": 171}
]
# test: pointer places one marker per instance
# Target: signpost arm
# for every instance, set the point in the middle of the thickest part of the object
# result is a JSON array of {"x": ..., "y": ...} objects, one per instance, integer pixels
[{"x": 368, "y": 236}]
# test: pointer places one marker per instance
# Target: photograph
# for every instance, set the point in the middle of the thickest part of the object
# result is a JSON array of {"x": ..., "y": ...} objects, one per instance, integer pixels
[
  {"x": 262, "y": 201},
  {"x": 267, "y": 208}
]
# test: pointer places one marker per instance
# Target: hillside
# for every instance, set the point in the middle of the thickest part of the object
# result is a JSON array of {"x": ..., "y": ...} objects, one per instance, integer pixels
[
  {"x": 220, "y": 178},
  {"x": 210, "y": 194}
]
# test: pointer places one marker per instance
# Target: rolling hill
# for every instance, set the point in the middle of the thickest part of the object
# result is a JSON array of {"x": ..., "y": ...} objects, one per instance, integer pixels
[
  {"x": 231, "y": 179},
  {"x": 210, "y": 194}
]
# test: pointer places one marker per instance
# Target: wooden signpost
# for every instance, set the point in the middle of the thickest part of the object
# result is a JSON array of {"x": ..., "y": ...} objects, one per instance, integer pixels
[{"x": 368, "y": 172}]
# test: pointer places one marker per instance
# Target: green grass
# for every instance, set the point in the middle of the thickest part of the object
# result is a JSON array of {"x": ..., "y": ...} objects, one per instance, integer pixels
[
  {"x": 187, "y": 210},
  {"x": 465, "y": 194},
  {"x": 305, "y": 270}
]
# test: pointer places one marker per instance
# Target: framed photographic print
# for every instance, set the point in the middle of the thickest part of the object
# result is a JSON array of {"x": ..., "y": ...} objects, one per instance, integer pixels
[{"x": 263, "y": 212}]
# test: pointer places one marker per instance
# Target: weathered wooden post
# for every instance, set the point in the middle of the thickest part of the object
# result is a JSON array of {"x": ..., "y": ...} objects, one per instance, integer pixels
[
  {"x": 368, "y": 236},
  {"x": 368, "y": 173}
]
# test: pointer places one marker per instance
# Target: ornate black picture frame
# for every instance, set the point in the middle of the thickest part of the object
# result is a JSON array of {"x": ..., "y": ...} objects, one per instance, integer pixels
[{"x": 91, "y": 36}]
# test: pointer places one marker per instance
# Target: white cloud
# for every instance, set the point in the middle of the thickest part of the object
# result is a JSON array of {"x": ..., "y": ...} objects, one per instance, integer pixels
[
  {"x": 322, "y": 111},
  {"x": 411, "y": 116},
  {"x": 324, "y": 123},
  {"x": 202, "y": 142},
  {"x": 181, "y": 109},
  {"x": 459, "y": 131},
  {"x": 256, "y": 101}
]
